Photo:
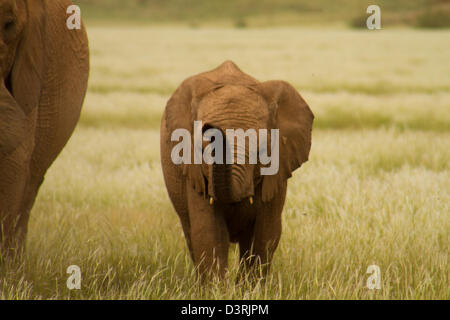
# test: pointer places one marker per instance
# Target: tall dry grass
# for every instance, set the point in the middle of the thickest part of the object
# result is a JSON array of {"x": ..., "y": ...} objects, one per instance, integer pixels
[{"x": 375, "y": 191}]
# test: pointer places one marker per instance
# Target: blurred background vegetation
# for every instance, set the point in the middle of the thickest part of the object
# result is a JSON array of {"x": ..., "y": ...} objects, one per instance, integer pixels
[{"x": 267, "y": 13}]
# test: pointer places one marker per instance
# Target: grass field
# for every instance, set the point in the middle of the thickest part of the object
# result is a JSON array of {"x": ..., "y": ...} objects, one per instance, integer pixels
[
  {"x": 375, "y": 191},
  {"x": 267, "y": 13}
]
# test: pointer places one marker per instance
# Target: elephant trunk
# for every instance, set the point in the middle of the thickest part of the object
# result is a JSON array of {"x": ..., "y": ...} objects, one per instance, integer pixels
[
  {"x": 232, "y": 183},
  {"x": 12, "y": 123}
]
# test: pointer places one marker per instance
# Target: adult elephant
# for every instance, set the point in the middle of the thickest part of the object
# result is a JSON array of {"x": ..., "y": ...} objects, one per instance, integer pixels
[
  {"x": 44, "y": 68},
  {"x": 222, "y": 203}
]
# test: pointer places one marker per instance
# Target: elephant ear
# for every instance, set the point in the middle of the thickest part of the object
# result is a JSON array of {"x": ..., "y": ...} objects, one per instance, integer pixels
[
  {"x": 294, "y": 119},
  {"x": 28, "y": 69},
  {"x": 181, "y": 112}
]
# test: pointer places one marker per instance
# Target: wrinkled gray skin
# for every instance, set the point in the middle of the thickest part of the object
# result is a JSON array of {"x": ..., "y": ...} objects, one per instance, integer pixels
[
  {"x": 227, "y": 98},
  {"x": 44, "y": 68}
]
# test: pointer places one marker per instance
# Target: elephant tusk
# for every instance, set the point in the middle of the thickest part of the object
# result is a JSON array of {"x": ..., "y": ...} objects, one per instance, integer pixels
[
  {"x": 211, "y": 201},
  {"x": 251, "y": 200}
]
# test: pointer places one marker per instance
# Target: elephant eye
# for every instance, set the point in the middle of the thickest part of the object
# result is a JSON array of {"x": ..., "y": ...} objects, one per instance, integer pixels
[
  {"x": 206, "y": 127},
  {"x": 9, "y": 25},
  {"x": 9, "y": 29}
]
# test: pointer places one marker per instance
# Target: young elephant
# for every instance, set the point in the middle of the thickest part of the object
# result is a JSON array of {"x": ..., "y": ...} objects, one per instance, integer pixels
[
  {"x": 44, "y": 68},
  {"x": 222, "y": 203}
]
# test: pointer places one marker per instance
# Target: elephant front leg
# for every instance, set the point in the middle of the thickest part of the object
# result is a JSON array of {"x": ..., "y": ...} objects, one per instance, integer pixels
[
  {"x": 267, "y": 234},
  {"x": 209, "y": 235},
  {"x": 267, "y": 238},
  {"x": 14, "y": 174}
]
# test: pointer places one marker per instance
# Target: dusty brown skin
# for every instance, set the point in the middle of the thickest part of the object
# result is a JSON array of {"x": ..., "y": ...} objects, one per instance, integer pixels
[
  {"x": 44, "y": 68},
  {"x": 227, "y": 98}
]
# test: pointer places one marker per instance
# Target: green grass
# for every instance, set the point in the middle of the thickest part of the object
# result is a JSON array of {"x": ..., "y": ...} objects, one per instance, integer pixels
[
  {"x": 375, "y": 191},
  {"x": 434, "y": 18},
  {"x": 252, "y": 13}
]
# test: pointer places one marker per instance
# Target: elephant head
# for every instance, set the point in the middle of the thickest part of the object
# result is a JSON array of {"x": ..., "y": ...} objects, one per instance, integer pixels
[
  {"x": 226, "y": 98},
  {"x": 21, "y": 67}
]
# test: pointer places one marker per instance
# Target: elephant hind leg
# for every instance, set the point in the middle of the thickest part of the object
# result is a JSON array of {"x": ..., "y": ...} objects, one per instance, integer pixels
[
  {"x": 9, "y": 244},
  {"x": 30, "y": 194},
  {"x": 246, "y": 251},
  {"x": 15, "y": 227},
  {"x": 14, "y": 173}
]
